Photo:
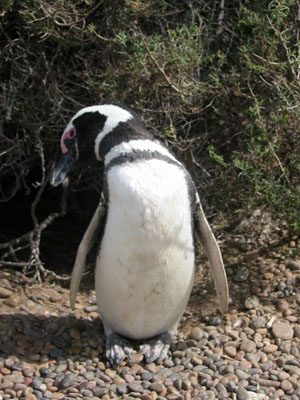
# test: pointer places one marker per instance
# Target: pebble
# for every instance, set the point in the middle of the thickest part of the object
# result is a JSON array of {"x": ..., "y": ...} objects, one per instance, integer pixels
[
  {"x": 90, "y": 309},
  {"x": 248, "y": 346},
  {"x": 294, "y": 265},
  {"x": 241, "y": 275},
  {"x": 258, "y": 322},
  {"x": 5, "y": 293},
  {"x": 230, "y": 351},
  {"x": 297, "y": 331},
  {"x": 270, "y": 348},
  {"x": 11, "y": 301},
  {"x": 156, "y": 387},
  {"x": 251, "y": 303},
  {"x": 135, "y": 386},
  {"x": 242, "y": 393},
  {"x": 286, "y": 385},
  {"x": 196, "y": 333},
  {"x": 252, "y": 353},
  {"x": 282, "y": 330},
  {"x": 75, "y": 333}
]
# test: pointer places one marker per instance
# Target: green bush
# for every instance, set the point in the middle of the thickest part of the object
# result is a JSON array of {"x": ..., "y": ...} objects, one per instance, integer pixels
[{"x": 219, "y": 81}]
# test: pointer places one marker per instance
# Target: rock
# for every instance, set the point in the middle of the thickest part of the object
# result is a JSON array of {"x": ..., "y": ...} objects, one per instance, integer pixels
[
  {"x": 31, "y": 396},
  {"x": 146, "y": 396},
  {"x": 242, "y": 375},
  {"x": 36, "y": 383},
  {"x": 156, "y": 387},
  {"x": 242, "y": 393},
  {"x": 196, "y": 333},
  {"x": 122, "y": 389},
  {"x": 158, "y": 378},
  {"x": 67, "y": 381},
  {"x": 9, "y": 362},
  {"x": 297, "y": 331},
  {"x": 248, "y": 346},
  {"x": 270, "y": 348},
  {"x": 286, "y": 385},
  {"x": 100, "y": 391},
  {"x": 282, "y": 330},
  {"x": 251, "y": 303},
  {"x": 135, "y": 358},
  {"x": 91, "y": 309},
  {"x": 230, "y": 351},
  {"x": 56, "y": 353},
  {"x": 75, "y": 333},
  {"x": 135, "y": 386},
  {"x": 5, "y": 293},
  {"x": 11, "y": 301},
  {"x": 241, "y": 275},
  {"x": 258, "y": 322},
  {"x": 129, "y": 378},
  {"x": 57, "y": 396},
  {"x": 294, "y": 265}
]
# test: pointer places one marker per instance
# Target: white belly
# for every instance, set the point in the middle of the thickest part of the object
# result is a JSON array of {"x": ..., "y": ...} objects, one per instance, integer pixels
[{"x": 145, "y": 267}]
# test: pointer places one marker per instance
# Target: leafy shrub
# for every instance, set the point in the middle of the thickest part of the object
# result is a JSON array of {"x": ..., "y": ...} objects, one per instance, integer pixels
[{"x": 218, "y": 81}]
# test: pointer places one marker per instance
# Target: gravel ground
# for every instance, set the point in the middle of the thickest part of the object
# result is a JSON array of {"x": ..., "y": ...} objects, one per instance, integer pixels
[{"x": 253, "y": 352}]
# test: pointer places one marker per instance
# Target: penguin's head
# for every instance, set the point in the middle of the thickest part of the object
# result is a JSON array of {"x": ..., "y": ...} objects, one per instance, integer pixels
[{"x": 83, "y": 134}]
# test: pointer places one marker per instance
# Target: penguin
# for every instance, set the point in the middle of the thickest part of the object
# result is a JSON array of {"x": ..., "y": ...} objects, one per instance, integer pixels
[{"x": 151, "y": 213}]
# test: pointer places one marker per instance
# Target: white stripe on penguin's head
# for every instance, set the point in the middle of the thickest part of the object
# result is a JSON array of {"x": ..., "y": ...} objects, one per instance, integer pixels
[{"x": 115, "y": 115}]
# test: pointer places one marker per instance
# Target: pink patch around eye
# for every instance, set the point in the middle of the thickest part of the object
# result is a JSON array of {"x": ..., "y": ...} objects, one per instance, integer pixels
[{"x": 69, "y": 134}]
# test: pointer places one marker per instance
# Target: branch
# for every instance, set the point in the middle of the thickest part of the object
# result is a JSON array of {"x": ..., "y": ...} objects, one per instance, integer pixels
[
  {"x": 32, "y": 240},
  {"x": 161, "y": 70}
]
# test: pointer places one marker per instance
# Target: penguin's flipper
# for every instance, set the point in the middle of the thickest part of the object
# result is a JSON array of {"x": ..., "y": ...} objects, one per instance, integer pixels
[
  {"x": 212, "y": 250},
  {"x": 85, "y": 245}
]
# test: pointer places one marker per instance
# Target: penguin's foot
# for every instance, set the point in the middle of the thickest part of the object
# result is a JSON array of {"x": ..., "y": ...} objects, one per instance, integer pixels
[
  {"x": 156, "y": 349},
  {"x": 117, "y": 348}
]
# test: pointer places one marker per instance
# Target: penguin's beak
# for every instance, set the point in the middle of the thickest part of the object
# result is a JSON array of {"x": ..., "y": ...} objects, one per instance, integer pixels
[{"x": 63, "y": 166}]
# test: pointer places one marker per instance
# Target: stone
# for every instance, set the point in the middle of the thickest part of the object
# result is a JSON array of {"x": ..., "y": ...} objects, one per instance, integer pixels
[
  {"x": 286, "y": 385},
  {"x": 241, "y": 275},
  {"x": 242, "y": 375},
  {"x": 56, "y": 353},
  {"x": 57, "y": 396},
  {"x": 156, "y": 387},
  {"x": 297, "y": 331},
  {"x": 135, "y": 358},
  {"x": 242, "y": 393},
  {"x": 270, "y": 348},
  {"x": 135, "y": 386},
  {"x": 91, "y": 309},
  {"x": 5, "y": 293},
  {"x": 248, "y": 346},
  {"x": 282, "y": 330},
  {"x": 67, "y": 381},
  {"x": 146, "y": 396},
  {"x": 251, "y": 303},
  {"x": 258, "y": 322},
  {"x": 75, "y": 333},
  {"x": 11, "y": 301},
  {"x": 294, "y": 265},
  {"x": 122, "y": 389},
  {"x": 196, "y": 333},
  {"x": 230, "y": 351}
]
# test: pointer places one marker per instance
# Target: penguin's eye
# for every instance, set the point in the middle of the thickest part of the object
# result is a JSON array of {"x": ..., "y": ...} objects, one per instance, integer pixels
[{"x": 68, "y": 140}]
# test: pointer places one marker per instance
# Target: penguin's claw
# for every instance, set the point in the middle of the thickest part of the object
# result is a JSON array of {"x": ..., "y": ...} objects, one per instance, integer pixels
[
  {"x": 157, "y": 348},
  {"x": 117, "y": 349}
]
